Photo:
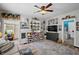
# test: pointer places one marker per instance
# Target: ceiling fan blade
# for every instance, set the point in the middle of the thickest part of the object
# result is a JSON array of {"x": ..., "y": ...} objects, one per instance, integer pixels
[
  {"x": 49, "y": 10},
  {"x": 37, "y": 11},
  {"x": 37, "y": 6},
  {"x": 50, "y": 4}
]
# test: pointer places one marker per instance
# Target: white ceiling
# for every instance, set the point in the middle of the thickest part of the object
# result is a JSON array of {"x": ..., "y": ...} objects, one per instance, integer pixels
[{"x": 28, "y": 9}]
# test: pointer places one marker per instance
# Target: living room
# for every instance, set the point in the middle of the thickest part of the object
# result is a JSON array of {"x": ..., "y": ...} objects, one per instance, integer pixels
[{"x": 39, "y": 28}]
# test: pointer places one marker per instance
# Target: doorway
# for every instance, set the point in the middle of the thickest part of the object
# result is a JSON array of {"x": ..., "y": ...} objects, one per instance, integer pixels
[
  {"x": 69, "y": 31},
  {"x": 9, "y": 31}
]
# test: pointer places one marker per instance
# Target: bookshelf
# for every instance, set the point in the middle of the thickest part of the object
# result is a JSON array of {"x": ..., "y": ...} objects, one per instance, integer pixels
[{"x": 35, "y": 25}]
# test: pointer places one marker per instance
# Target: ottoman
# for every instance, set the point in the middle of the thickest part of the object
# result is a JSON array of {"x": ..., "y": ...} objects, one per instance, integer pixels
[{"x": 26, "y": 51}]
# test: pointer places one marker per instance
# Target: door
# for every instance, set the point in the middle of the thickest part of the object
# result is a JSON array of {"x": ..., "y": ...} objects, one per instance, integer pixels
[
  {"x": 65, "y": 29},
  {"x": 69, "y": 31},
  {"x": 9, "y": 31}
]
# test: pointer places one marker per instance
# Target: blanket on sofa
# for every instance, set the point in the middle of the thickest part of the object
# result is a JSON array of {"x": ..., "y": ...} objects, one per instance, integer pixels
[{"x": 5, "y": 46}]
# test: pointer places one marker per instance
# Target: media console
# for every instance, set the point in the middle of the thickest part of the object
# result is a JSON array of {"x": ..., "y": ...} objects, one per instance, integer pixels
[{"x": 54, "y": 36}]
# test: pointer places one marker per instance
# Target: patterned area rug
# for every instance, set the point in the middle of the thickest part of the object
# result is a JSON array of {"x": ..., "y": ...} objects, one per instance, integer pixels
[
  {"x": 44, "y": 47},
  {"x": 51, "y": 48}
]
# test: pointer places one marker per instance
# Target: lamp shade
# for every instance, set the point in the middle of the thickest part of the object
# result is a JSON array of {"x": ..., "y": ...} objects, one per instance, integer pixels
[{"x": 0, "y": 35}]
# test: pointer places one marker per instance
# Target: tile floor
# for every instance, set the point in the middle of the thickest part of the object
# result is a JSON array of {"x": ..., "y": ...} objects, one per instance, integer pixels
[{"x": 43, "y": 47}]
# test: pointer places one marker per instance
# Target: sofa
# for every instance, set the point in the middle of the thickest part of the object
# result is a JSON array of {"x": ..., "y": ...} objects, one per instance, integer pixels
[{"x": 5, "y": 46}]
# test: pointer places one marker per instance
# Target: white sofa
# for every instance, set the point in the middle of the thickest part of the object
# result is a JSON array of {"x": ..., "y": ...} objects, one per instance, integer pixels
[{"x": 5, "y": 46}]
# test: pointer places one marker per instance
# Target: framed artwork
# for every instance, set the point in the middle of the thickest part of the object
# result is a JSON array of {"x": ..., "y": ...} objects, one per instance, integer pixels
[
  {"x": 1, "y": 22},
  {"x": 77, "y": 23},
  {"x": 0, "y": 26},
  {"x": 49, "y": 22},
  {"x": 53, "y": 21},
  {"x": 56, "y": 20},
  {"x": 60, "y": 27},
  {"x": 24, "y": 25},
  {"x": 44, "y": 23},
  {"x": 77, "y": 26}
]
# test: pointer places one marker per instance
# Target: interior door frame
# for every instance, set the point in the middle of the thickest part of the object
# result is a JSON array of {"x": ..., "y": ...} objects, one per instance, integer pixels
[
  {"x": 9, "y": 24},
  {"x": 74, "y": 28}
]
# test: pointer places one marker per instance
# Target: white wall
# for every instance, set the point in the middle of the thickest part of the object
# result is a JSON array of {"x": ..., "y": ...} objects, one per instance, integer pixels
[
  {"x": 71, "y": 27},
  {"x": 73, "y": 13},
  {"x": 24, "y": 19},
  {"x": 76, "y": 42},
  {"x": 15, "y": 22},
  {"x": 18, "y": 31}
]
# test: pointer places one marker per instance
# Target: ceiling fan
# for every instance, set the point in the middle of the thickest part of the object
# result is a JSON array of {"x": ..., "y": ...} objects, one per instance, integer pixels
[{"x": 44, "y": 9}]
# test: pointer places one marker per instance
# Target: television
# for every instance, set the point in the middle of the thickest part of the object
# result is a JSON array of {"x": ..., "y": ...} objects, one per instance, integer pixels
[
  {"x": 52, "y": 28},
  {"x": 23, "y": 35}
]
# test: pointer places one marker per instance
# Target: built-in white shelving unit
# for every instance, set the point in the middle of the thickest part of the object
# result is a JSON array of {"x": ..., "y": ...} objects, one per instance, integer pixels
[
  {"x": 53, "y": 22},
  {"x": 35, "y": 25}
]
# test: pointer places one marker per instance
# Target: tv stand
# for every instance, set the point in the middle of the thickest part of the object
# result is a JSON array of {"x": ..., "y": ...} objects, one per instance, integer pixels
[{"x": 54, "y": 36}]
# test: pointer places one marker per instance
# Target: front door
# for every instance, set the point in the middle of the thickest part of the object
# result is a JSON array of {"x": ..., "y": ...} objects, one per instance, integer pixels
[{"x": 9, "y": 31}]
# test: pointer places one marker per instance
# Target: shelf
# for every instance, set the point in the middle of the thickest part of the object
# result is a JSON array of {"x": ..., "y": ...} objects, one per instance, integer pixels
[
  {"x": 35, "y": 26},
  {"x": 77, "y": 26},
  {"x": 52, "y": 32},
  {"x": 53, "y": 24}
]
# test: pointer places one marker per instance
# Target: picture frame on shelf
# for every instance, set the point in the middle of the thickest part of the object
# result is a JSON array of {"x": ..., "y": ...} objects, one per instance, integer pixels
[
  {"x": 60, "y": 27},
  {"x": 77, "y": 23},
  {"x": 77, "y": 26},
  {"x": 24, "y": 25},
  {"x": 48, "y": 22},
  {"x": 0, "y": 27},
  {"x": 56, "y": 20},
  {"x": 53, "y": 21},
  {"x": 1, "y": 22}
]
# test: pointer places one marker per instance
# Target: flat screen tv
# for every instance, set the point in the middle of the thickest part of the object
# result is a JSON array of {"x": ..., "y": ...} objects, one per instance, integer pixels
[{"x": 52, "y": 28}]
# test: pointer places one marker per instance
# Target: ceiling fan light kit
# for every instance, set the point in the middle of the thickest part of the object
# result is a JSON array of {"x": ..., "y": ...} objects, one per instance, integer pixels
[
  {"x": 43, "y": 12},
  {"x": 44, "y": 9}
]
